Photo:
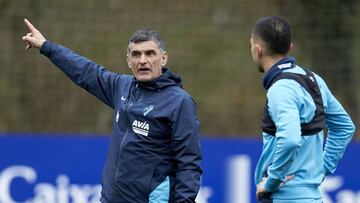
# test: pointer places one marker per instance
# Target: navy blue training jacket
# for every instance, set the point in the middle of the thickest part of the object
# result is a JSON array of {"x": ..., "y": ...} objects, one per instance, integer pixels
[{"x": 155, "y": 130}]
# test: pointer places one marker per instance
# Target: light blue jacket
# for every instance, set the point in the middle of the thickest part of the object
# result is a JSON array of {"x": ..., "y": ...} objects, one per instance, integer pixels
[{"x": 289, "y": 153}]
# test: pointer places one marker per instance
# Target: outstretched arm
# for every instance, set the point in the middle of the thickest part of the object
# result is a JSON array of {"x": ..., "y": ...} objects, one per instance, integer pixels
[
  {"x": 91, "y": 76},
  {"x": 34, "y": 38}
]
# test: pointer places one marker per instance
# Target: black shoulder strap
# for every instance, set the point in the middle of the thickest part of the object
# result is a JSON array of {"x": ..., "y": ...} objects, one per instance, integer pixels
[{"x": 308, "y": 82}]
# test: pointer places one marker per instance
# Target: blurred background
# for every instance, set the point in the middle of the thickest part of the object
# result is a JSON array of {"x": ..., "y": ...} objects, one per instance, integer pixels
[{"x": 208, "y": 45}]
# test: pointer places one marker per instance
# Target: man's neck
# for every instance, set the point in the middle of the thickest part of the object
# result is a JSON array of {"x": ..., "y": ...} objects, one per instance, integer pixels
[{"x": 269, "y": 61}]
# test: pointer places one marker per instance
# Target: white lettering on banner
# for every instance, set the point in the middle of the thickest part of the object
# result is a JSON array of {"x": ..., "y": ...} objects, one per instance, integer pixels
[
  {"x": 238, "y": 179},
  {"x": 332, "y": 183},
  {"x": 238, "y": 184},
  {"x": 8, "y": 175},
  {"x": 348, "y": 196},
  {"x": 204, "y": 194},
  {"x": 62, "y": 192}
]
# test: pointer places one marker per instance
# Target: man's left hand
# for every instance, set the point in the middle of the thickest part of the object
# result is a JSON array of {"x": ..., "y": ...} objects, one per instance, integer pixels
[{"x": 260, "y": 188}]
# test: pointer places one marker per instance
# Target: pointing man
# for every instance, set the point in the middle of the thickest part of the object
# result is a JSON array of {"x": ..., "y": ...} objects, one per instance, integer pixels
[{"x": 154, "y": 154}]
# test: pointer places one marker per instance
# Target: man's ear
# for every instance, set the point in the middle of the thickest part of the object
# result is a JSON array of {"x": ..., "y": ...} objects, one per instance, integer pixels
[
  {"x": 164, "y": 59},
  {"x": 291, "y": 47},
  {"x": 128, "y": 60},
  {"x": 259, "y": 51}
]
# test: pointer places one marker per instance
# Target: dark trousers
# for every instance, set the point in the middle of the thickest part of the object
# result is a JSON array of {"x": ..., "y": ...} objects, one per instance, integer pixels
[{"x": 266, "y": 198}]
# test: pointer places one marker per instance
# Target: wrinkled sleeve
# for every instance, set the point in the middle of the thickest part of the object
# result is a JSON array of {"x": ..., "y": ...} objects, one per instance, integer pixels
[
  {"x": 284, "y": 111},
  {"x": 340, "y": 131},
  {"x": 187, "y": 152},
  {"x": 92, "y": 77}
]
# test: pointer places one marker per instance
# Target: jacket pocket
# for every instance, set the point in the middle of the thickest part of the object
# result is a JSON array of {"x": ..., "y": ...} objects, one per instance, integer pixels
[{"x": 132, "y": 182}]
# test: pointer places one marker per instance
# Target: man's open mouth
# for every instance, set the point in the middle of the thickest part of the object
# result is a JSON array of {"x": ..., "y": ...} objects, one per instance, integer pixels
[{"x": 143, "y": 69}]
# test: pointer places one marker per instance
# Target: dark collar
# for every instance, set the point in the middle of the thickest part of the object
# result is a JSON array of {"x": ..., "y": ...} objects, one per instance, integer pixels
[
  {"x": 276, "y": 69},
  {"x": 167, "y": 78}
]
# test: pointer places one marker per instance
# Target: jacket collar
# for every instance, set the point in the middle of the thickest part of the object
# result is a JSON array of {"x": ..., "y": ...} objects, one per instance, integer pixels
[
  {"x": 276, "y": 69},
  {"x": 167, "y": 79}
]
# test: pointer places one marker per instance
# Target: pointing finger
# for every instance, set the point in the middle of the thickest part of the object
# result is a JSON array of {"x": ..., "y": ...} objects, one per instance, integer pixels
[{"x": 29, "y": 25}]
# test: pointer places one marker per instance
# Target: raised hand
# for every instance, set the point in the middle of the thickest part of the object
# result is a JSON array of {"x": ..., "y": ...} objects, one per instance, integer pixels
[{"x": 34, "y": 38}]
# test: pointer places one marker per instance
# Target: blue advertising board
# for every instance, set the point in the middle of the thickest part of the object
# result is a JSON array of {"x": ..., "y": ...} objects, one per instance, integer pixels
[{"x": 37, "y": 168}]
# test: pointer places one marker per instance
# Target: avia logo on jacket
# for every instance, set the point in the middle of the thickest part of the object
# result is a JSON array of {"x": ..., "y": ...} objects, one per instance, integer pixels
[{"x": 141, "y": 128}]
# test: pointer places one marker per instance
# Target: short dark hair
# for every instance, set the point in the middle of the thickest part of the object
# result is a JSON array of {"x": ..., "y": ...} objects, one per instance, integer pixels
[
  {"x": 144, "y": 35},
  {"x": 275, "y": 32}
]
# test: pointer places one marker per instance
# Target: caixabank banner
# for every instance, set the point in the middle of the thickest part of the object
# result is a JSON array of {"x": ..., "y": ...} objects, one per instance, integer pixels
[{"x": 41, "y": 168}]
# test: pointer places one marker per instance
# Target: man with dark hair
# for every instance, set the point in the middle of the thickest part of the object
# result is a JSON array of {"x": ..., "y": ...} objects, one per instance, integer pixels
[
  {"x": 154, "y": 154},
  {"x": 299, "y": 105}
]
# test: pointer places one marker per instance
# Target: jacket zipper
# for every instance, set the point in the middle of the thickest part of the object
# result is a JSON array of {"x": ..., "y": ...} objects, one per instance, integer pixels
[{"x": 123, "y": 139}]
